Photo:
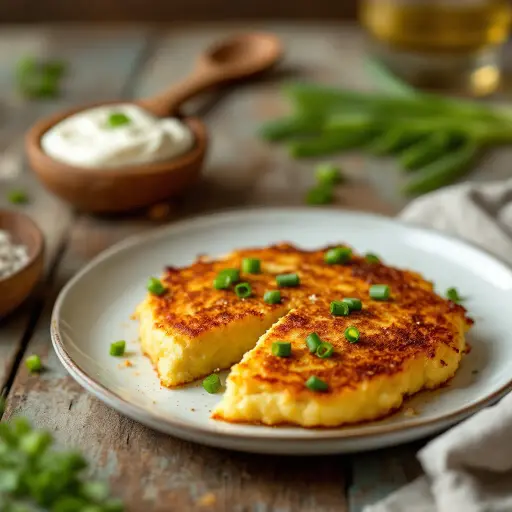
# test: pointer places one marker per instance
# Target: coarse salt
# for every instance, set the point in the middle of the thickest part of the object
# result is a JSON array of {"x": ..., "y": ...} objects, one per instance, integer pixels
[{"x": 12, "y": 257}]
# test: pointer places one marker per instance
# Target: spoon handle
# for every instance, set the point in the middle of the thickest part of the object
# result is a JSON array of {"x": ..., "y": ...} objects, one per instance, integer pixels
[{"x": 170, "y": 100}]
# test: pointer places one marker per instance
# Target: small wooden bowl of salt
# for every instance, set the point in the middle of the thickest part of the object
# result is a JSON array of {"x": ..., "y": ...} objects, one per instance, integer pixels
[{"x": 21, "y": 259}]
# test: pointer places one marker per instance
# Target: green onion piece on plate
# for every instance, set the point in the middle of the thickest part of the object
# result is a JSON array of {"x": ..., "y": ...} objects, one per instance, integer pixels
[
  {"x": 338, "y": 255},
  {"x": 316, "y": 384},
  {"x": 352, "y": 334},
  {"x": 288, "y": 280},
  {"x": 453, "y": 295},
  {"x": 251, "y": 266},
  {"x": 33, "y": 363},
  {"x": 313, "y": 341},
  {"x": 281, "y": 348},
  {"x": 339, "y": 308},
  {"x": 117, "y": 119},
  {"x": 212, "y": 383},
  {"x": 272, "y": 297},
  {"x": 353, "y": 303},
  {"x": 155, "y": 286},
  {"x": 118, "y": 348},
  {"x": 325, "y": 350},
  {"x": 371, "y": 258},
  {"x": 380, "y": 292},
  {"x": 243, "y": 290}
]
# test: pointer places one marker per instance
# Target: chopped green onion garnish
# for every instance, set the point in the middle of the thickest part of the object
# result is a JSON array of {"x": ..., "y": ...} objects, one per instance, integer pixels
[
  {"x": 212, "y": 383},
  {"x": 338, "y": 255},
  {"x": 232, "y": 274},
  {"x": 313, "y": 341},
  {"x": 281, "y": 348},
  {"x": 316, "y": 384},
  {"x": 251, "y": 266},
  {"x": 325, "y": 350},
  {"x": 243, "y": 290},
  {"x": 225, "y": 278},
  {"x": 319, "y": 195},
  {"x": 352, "y": 334},
  {"x": 118, "y": 119},
  {"x": 371, "y": 258},
  {"x": 353, "y": 303},
  {"x": 221, "y": 283},
  {"x": 379, "y": 292},
  {"x": 34, "y": 363},
  {"x": 272, "y": 297},
  {"x": 339, "y": 308},
  {"x": 155, "y": 286},
  {"x": 17, "y": 197},
  {"x": 287, "y": 280},
  {"x": 328, "y": 174},
  {"x": 117, "y": 348},
  {"x": 453, "y": 295}
]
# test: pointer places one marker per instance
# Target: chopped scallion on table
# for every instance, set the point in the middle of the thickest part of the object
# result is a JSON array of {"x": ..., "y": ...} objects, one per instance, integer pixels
[
  {"x": 371, "y": 258},
  {"x": 17, "y": 197},
  {"x": 313, "y": 341},
  {"x": 353, "y": 303},
  {"x": 251, "y": 266},
  {"x": 243, "y": 290},
  {"x": 33, "y": 363},
  {"x": 272, "y": 297},
  {"x": 453, "y": 295},
  {"x": 352, "y": 334},
  {"x": 380, "y": 292},
  {"x": 338, "y": 255},
  {"x": 281, "y": 348},
  {"x": 319, "y": 195},
  {"x": 288, "y": 280},
  {"x": 316, "y": 384},
  {"x": 155, "y": 286},
  {"x": 324, "y": 350},
  {"x": 212, "y": 383},
  {"x": 339, "y": 308},
  {"x": 118, "y": 119},
  {"x": 328, "y": 174},
  {"x": 118, "y": 348}
]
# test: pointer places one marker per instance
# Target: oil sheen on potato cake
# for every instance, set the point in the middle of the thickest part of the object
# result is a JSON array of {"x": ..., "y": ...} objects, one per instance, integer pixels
[{"x": 411, "y": 341}]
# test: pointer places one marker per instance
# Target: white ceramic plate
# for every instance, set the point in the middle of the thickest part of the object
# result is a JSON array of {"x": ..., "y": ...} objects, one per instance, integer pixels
[{"x": 94, "y": 309}]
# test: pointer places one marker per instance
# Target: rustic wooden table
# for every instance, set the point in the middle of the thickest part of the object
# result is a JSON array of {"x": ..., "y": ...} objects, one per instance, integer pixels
[{"x": 148, "y": 470}]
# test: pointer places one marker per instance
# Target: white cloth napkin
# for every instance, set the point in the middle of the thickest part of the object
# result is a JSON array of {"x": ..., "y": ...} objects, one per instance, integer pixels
[{"x": 468, "y": 468}]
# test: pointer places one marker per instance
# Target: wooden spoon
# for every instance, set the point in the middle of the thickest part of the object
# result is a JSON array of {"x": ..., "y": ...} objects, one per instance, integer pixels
[{"x": 129, "y": 187}]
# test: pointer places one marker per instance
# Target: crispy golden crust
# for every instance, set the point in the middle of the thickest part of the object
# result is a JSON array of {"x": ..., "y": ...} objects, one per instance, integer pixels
[
  {"x": 389, "y": 338},
  {"x": 193, "y": 307}
]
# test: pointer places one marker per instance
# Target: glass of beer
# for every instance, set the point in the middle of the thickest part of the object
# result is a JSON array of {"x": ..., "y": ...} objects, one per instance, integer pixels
[{"x": 440, "y": 44}]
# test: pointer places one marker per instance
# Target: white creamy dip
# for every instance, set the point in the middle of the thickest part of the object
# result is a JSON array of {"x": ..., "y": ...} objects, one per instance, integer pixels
[
  {"x": 89, "y": 139},
  {"x": 12, "y": 257}
]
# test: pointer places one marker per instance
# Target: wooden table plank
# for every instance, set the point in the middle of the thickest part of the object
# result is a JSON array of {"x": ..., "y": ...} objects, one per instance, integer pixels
[{"x": 113, "y": 53}]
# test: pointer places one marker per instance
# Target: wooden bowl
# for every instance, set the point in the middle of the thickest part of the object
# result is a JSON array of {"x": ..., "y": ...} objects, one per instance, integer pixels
[
  {"x": 103, "y": 190},
  {"x": 17, "y": 287}
]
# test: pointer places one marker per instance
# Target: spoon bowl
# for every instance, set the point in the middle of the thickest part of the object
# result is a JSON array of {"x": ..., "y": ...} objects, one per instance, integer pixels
[
  {"x": 15, "y": 288},
  {"x": 108, "y": 189}
]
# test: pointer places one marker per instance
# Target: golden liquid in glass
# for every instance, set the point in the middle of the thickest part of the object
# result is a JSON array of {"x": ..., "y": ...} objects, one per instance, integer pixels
[{"x": 450, "y": 37}]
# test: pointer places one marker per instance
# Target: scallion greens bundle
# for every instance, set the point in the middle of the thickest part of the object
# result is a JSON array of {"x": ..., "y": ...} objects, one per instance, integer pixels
[{"x": 436, "y": 140}]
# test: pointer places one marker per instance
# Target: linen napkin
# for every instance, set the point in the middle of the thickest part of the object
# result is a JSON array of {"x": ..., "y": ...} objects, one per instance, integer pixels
[{"x": 468, "y": 468}]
